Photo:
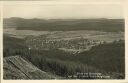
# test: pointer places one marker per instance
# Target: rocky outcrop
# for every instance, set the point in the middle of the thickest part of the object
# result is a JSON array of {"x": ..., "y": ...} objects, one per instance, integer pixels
[{"x": 16, "y": 67}]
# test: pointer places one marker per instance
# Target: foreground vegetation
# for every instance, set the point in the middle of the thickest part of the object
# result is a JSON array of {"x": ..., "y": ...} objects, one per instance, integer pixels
[{"x": 106, "y": 58}]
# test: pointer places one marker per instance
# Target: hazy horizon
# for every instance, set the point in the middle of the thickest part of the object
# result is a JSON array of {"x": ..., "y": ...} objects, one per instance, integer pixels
[
  {"x": 64, "y": 11},
  {"x": 61, "y": 18}
]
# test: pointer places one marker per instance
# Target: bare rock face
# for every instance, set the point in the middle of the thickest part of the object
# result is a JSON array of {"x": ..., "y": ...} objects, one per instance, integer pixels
[{"x": 16, "y": 67}]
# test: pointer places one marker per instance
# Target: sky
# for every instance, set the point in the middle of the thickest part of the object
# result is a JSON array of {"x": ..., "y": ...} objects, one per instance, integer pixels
[{"x": 63, "y": 11}]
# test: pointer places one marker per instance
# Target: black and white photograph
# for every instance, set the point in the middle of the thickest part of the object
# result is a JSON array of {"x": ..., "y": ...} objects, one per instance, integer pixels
[{"x": 63, "y": 41}]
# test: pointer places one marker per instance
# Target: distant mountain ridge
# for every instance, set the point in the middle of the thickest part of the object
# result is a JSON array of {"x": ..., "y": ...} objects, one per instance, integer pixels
[{"x": 101, "y": 24}]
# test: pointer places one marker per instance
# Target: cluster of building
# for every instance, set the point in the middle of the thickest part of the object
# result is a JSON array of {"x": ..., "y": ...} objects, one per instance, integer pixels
[{"x": 52, "y": 43}]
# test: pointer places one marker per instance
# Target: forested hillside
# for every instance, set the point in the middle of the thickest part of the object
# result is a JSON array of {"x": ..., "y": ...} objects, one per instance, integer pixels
[
  {"x": 111, "y": 25},
  {"x": 106, "y": 58}
]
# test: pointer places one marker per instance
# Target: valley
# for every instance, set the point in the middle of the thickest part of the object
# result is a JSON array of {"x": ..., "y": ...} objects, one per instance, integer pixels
[{"x": 77, "y": 52}]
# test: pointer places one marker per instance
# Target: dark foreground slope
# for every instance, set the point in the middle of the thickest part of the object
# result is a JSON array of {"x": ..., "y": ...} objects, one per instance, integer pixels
[
  {"x": 16, "y": 67},
  {"x": 106, "y": 58},
  {"x": 109, "y": 57}
]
